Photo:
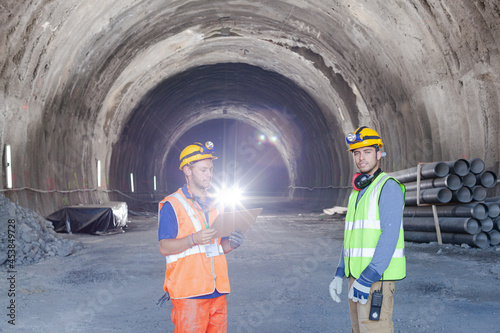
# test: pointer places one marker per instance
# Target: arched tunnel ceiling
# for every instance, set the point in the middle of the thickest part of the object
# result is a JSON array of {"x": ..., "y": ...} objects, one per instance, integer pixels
[
  {"x": 263, "y": 99},
  {"x": 74, "y": 75}
]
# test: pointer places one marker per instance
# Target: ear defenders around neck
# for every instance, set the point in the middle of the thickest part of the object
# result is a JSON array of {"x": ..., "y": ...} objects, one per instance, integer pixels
[{"x": 362, "y": 180}]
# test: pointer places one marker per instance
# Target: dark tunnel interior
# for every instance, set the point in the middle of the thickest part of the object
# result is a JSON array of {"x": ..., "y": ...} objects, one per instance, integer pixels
[
  {"x": 267, "y": 132},
  {"x": 256, "y": 167}
]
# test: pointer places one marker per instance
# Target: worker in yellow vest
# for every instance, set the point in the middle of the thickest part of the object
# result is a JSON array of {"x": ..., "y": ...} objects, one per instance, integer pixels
[
  {"x": 373, "y": 253},
  {"x": 196, "y": 277}
]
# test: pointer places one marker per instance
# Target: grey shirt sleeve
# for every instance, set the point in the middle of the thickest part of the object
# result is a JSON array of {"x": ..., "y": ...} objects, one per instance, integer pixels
[
  {"x": 391, "y": 204},
  {"x": 341, "y": 266}
]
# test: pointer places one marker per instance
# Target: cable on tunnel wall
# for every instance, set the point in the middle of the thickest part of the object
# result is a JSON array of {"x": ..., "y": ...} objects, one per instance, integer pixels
[
  {"x": 76, "y": 191},
  {"x": 318, "y": 187},
  {"x": 135, "y": 199}
]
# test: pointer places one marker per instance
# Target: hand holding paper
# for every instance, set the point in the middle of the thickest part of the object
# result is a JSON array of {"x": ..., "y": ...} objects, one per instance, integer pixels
[
  {"x": 204, "y": 236},
  {"x": 241, "y": 220}
]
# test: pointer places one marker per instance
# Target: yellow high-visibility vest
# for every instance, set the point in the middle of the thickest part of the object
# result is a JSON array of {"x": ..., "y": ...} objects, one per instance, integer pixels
[{"x": 362, "y": 232}]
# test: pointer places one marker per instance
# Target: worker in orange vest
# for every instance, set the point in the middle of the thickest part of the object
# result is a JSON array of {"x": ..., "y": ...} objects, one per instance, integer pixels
[{"x": 196, "y": 278}]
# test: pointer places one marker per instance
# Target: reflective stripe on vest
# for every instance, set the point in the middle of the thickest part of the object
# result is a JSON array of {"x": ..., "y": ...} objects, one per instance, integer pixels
[
  {"x": 362, "y": 252},
  {"x": 189, "y": 210},
  {"x": 197, "y": 225},
  {"x": 359, "y": 224},
  {"x": 362, "y": 231},
  {"x": 192, "y": 250}
]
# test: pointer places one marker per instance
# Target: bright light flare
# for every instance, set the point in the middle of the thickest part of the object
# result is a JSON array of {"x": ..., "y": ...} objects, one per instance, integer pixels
[
  {"x": 230, "y": 197},
  {"x": 262, "y": 138}
]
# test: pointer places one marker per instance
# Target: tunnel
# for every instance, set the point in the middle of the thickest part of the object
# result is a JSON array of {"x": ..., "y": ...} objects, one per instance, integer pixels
[
  {"x": 99, "y": 98},
  {"x": 279, "y": 112}
]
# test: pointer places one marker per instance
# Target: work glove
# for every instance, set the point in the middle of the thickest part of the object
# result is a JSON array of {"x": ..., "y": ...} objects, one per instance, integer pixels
[
  {"x": 236, "y": 239},
  {"x": 360, "y": 289},
  {"x": 336, "y": 284},
  {"x": 336, "y": 288},
  {"x": 163, "y": 299}
]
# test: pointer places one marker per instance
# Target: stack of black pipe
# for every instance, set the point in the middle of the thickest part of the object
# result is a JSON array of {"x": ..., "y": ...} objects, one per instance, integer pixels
[{"x": 459, "y": 190}]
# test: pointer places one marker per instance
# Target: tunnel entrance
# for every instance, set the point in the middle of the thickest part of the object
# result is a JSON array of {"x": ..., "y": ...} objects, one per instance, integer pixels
[
  {"x": 278, "y": 141},
  {"x": 247, "y": 159}
]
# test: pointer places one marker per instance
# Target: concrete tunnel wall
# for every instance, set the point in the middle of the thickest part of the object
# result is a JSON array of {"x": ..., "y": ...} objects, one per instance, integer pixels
[{"x": 120, "y": 82}]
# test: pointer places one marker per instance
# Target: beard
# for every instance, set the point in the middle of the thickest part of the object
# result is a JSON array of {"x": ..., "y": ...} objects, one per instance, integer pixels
[
  {"x": 202, "y": 184},
  {"x": 368, "y": 168}
]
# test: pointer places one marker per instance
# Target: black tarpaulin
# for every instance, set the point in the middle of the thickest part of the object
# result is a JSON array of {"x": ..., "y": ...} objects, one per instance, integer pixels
[{"x": 90, "y": 218}]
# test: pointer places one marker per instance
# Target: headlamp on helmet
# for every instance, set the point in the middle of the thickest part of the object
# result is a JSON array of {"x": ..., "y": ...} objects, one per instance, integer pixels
[
  {"x": 353, "y": 138},
  {"x": 363, "y": 137}
]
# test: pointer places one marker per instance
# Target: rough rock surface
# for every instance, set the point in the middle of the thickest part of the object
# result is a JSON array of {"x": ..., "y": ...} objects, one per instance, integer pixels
[
  {"x": 29, "y": 236},
  {"x": 122, "y": 82}
]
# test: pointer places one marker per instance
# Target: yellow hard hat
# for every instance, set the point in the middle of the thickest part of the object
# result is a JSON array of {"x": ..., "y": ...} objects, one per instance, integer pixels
[
  {"x": 196, "y": 152},
  {"x": 363, "y": 137}
]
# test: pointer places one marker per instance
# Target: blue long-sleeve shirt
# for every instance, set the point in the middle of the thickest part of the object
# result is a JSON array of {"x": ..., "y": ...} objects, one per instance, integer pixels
[{"x": 390, "y": 211}]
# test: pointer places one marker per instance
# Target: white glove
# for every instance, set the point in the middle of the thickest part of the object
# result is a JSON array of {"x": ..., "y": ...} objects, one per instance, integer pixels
[{"x": 336, "y": 288}]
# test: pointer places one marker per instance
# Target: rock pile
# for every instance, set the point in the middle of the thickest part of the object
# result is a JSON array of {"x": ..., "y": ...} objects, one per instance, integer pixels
[{"x": 29, "y": 236}]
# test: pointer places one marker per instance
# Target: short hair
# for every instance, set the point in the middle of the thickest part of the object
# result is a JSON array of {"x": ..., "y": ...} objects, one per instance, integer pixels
[{"x": 377, "y": 148}]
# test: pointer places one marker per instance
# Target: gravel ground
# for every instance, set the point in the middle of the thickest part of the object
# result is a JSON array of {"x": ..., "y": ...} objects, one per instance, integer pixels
[{"x": 279, "y": 282}]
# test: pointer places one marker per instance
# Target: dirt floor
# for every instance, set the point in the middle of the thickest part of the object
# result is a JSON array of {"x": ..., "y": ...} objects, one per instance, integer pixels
[{"x": 279, "y": 282}]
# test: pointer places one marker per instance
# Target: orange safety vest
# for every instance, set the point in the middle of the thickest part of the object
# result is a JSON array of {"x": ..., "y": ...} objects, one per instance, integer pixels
[{"x": 191, "y": 273}]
